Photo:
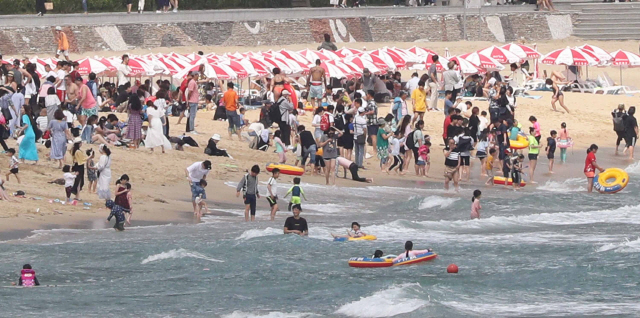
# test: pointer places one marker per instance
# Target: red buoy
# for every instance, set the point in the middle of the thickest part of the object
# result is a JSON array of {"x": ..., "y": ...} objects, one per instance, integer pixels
[{"x": 452, "y": 269}]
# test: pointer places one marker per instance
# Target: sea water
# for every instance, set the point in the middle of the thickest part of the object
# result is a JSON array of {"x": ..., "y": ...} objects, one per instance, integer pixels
[{"x": 550, "y": 251}]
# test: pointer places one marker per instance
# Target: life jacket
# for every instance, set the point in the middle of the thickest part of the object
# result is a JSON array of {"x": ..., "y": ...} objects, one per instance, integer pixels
[
  {"x": 325, "y": 122},
  {"x": 28, "y": 277}
]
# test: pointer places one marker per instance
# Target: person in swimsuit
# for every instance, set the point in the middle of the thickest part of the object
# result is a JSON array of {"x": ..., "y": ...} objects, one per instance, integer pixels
[
  {"x": 355, "y": 232},
  {"x": 277, "y": 83},
  {"x": 590, "y": 166},
  {"x": 475, "y": 204},
  {"x": 315, "y": 83},
  {"x": 409, "y": 252},
  {"x": 557, "y": 95},
  {"x": 564, "y": 138}
]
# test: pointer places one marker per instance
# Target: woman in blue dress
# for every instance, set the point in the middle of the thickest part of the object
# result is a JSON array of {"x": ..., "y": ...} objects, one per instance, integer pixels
[{"x": 28, "y": 149}]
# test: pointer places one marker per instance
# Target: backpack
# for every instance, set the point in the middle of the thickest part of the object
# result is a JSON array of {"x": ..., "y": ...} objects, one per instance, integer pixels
[
  {"x": 91, "y": 84},
  {"x": 325, "y": 122},
  {"x": 618, "y": 123},
  {"x": 464, "y": 144},
  {"x": 410, "y": 142},
  {"x": 274, "y": 113},
  {"x": 338, "y": 122}
]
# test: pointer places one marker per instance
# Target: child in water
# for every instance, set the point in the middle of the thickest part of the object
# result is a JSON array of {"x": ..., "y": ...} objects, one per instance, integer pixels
[
  {"x": 409, "y": 252},
  {"x": 564, "y": 139},
  {"x": 475, "y": 204},
  {"x": 489, "y": 166},
  {"x": 295, "y": 192},
  {"x": 355, "y": 232},
  {"x": 28, "y": 277},
  {"x": 423, "y": 159},
  {"x": 200, "y": 203},
  {"x": 551, "y": 149},
  {"x": 118, "y": 212}
]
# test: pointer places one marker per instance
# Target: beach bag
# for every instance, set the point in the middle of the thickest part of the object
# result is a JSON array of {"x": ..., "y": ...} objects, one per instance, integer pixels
[
  {"x": 3, "y": 121},
  {"x": 6, "y": 113},
  {"x": 48, "y": 6},
  {"x": 338, "y": 122},
  {"x": 325, "y": 122},
  {"x": 618, "y": 123},
  {"x": 410, "y": 142},
  {"x": 274, "y": 112}
]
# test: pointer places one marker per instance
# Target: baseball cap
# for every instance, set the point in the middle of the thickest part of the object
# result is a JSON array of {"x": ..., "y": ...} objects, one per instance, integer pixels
[
  {"x": 207, "y": 164},
  {"x": 361, "y": 109},
  {"x": 286, "y": 92},
  {"x": 58, "y": 28}
]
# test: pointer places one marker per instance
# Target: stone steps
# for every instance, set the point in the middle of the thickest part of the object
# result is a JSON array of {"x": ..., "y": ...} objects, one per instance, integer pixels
[{"x": 607, "y": 21}]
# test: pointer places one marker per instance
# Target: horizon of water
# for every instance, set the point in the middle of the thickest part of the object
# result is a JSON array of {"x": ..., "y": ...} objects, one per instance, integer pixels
[{"x": 550, "y": 251}]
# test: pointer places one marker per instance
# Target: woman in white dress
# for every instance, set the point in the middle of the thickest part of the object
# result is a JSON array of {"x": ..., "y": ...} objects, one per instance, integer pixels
[
  {"x": 104, "y": 173},
  {"x": 155, "y": 134}
]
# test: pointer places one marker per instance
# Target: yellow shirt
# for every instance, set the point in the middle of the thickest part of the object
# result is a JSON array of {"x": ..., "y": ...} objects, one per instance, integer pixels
[
  {"x": 80, "y": 158},
  {"x": 490, "y": 162},
  {"x": 419, "y": 98}
]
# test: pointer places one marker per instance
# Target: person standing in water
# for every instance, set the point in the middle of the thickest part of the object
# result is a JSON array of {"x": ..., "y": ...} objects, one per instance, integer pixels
[
  {"x": 315, "y": 84},
  {"x": 534, "y": 150},
  {"x": 564, "y": 139},
  {"x": 631, "y": 131},
  {"x": 590, "y": 166},
  {"x": 296, "y": 224},
  {"x": 248, "y": 185},
  {"x": 475, "y": 204}
]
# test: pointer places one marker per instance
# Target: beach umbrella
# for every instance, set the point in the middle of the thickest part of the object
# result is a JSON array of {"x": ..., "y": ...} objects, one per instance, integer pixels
[
  {"x": 382, "y": 65},
  {"x": 622, "y": 58},
  {"x": 210, "y": 71},
  {"x": 273, "y": 63},
  {"x": 293, "y": 56},
  {"x": 330, "y": 54},
  {"x": 138, "y": 66},
  {"x": 522, "y": 51},
  {"x": 361, "y": 63},
  {"x": 398, "y": 61},
  {"x": 332, "y": 70},
  {"x": 501, "y": 55},
  {"x": 599, "y": 53},
  {"x": 171, "y": 67},
  {"x": 351, "y": 69},
  {"x": 242, "y": 70},
  {"x": 90, "y": 65},
  {"x": 421, "y": 51},
  {"x": 483, "y": 61},
  {"x": 111, "y": 69},
  {"x": 261, "y": 67},
  {"x": 345, "y": 51},
  {"x": 568, "y": 56},
  {"x": 312, "y": 56},
  {"x": 467, "y": 67},
  {"x": 405, "y": 54},
  {"x": 441, "y": 65}
]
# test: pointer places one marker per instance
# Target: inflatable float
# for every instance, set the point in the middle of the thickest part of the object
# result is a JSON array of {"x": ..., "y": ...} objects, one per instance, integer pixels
[
  {"x": 564, "y": 144},
  {"x": 286, "y": 169},
  {"x": 308, "y": 106},
  {"x": 619, "y": 180},
  {"x": 520, "y": 143},
  {"x": 366, "y": 262},
  {"x": 294, "y": 96},
  {"x": 501, "y": 180},
  {"x": 362, "y": 238}
]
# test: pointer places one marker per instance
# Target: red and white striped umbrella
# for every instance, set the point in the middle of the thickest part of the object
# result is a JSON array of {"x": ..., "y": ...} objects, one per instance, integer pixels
[
  {"x": 330, "y": 54},
  {"x": 599, "y": 53},
  {"x": 404, "y": 54},
  {"x": 568, "y": 56},
  {"x": 332, "y": 70},
  {"x": 483, "y": 61},
  {"x": 361, "y": 63},
  {"x": 381, "y": 64},
  {"x": 625, "y": 58},
  {"x": 90, "y": 65},
  {"x": 441, "y": 65},
  {"x": 171, "y": 66},
  {"x": 242, "y": 70},
  {"x": 261, "y": 67},
  {"x": 350, "y": 69},
  {"x": 312, "y": 56},
  {"x": 499, "y": 54},
  {"x": 138, "y": 67},
  {"x": 419, "y": 51},
  {"x": 293, "y": 56},
  {"x": 393, "y": 60},
  {"x": 467, "y": 67},
  {"x": 522, "y": 51},
  {"x": 210, "y": 71},
  {"x": 111, "y": 69},
  {"x": 273, "y": 63},
  {"x": 345, "y": 51}
]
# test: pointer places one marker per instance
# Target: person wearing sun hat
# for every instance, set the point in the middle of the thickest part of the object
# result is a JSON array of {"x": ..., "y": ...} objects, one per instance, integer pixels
[{"x": 212, "y": 147}]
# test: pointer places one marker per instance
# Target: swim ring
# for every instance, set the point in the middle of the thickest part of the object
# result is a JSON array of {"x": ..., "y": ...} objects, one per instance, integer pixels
[
  {"x": 367, "y": 262},
  {"x": 501, "y": 180},
  {"x": 564, "y": 144},
  {"x": 286, "y": 169},
  {"x": 308, "y": 106},
  {"x": 619, "y": 178},
  {"x": 294, "y": 96},
  {"x": 520, "y": 143},
  {"x": 362, "y": 238}
]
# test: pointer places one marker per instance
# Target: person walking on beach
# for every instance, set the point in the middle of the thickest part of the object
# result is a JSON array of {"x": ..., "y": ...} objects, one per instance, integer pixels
[
  {"x": 63, "y": 43},
  {"x": 248, "y": 185},
  {"x": 590, "y": 166},
  {"x": 193, "y": 98},
  {"x": 296, "y": 224},
  {"x": 230, "y": 99},
  {"x": 433, "y": 84},
  {"x": 104, "y": 173},
  {"x": 272, "y": 189},
  {"x": 315, "y": 84},
  {"x": 631, "y": 131},
  {"x": 618, "y": 124},
  {"x": 534, "y": 150}
]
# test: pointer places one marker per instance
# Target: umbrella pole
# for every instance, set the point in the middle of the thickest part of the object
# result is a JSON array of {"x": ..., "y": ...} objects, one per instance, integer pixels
[{"x": 620, "y": 74}]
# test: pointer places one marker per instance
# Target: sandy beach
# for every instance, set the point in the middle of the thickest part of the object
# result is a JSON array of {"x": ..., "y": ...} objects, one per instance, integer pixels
[{"x": 161, "y": 193}]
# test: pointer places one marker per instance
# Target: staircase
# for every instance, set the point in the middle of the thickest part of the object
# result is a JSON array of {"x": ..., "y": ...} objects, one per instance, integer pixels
[{"x": 607, "y": 21}]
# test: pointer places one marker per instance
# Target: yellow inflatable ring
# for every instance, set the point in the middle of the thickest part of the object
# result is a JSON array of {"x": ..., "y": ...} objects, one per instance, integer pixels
[
  {"x": 520, "y": 143},
  {"x": 286, "y": 169},
  {"x": 362, "y": 238},
  {"x": 619, "y": 177}
]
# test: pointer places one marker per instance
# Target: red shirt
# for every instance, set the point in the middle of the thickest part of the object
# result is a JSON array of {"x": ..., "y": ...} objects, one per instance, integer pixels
[
  {"x": 183, "y": 88},
  {"x": 74, "y": 75},
  {"x": 447, "y": 122},
  {"x": 588, "y": 163}
]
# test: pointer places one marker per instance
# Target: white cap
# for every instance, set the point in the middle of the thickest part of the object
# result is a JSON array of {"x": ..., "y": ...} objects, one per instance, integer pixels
[
  {"x": 58, "y": 28},
  {"x": 286, "y": 92},
  {"x": 361, "y": 109},
  {"x": 216, "y": 137}
]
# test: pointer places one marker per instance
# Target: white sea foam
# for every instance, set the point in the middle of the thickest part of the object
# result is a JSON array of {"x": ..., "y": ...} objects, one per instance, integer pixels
[
  {"x": 390, "y": 302},
  {"x": 273, "y": 314},
  {"x": 436, "y": 201},
  {"x": 628, "y": 246},
  {"x": 253, "y": 233},
  {"x": 569, "y": 185},
  {"x": 568, "y": 308},
  {"x": 633, "y": 168},
  {"x": 177, "y": 254}
]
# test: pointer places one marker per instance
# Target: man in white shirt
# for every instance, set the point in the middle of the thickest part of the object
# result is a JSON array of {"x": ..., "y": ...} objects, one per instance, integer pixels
[
  {"x": 124, "y": 70},
  {"x": 48, "y": 72},
  {"x": 254, "y": 130},
  {"x": 359, "y": 133},
  {"x": 61, "y": 87},
  {"x": 412, "y": 84},
  {"x": 194, "y": 173}
]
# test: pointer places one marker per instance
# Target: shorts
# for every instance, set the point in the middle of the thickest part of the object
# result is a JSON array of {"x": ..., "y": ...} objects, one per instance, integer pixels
[
  {"x": 533, "y": 156},
  {"x": 421, "y": 163},
  {"x": 295, "y": 200},
  {"x": 68, "y": 191},
  {"x": 551, "y": 155},
  {"x": 14, "y": 171},
  {"x": 89, "y": 112},
  {"x": 418, "y": 114},
  {"x": 197, "y": 191},
  {"x": 449, "y": 172},
  {"x": 119, "y": 226},
  {"x": 590, "y": 174},
  {"x": 320, "y": 162},
  {"x": 62, "y": 52},
  {"x": 250, "y": 199},
  {"x": 272, "y": 201},
  {"x": 481, "y": 154},
  {"x": 630, "y": 141},
  {"x": 234, "y": 120},
  {"x": 316, "y": 91},
  {"x": 490, "y": 173},
  {"x": 464, "y": 160},
  {"x": 317, "y": 133},
  {"x": 515, "y": 178},
  {"x": 372, "y": 130}
]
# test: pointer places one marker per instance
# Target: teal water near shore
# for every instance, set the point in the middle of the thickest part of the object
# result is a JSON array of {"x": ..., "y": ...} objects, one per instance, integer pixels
[{"x": 550, "y": 251}]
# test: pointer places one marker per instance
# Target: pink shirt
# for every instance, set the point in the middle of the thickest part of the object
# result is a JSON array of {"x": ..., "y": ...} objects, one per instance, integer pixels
[
  {"x": 88, "y": 102},
  {"x": 411, "y": 254},
  {"x": 564, "y": 135},
  {"x": 475, "y": 209},
  {"x": 536, "y": 126},
  {"x": 194, "y": 96}
]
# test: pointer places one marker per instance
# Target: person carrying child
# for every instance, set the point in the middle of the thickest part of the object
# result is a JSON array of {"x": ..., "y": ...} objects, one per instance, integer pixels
[
  {"x": 117, "y": 212},
  {"x": 13, "y": 164},
  {"x": 295, "y": 191}
]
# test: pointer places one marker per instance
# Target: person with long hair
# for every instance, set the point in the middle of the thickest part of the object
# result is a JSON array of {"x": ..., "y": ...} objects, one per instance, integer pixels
[
  {"x": 590, "y": 166},
  {"x": 59, "y": 135},
  {"x": 405, "y": 130},
  {"x": 79, "y": 161},
  {"x": 155, "y": 135},
  {"x": 134, "y": 123},
  {"x": 409, "y": 252},
  {"x": 28, "y": 149},
  {"x": 557, "y": 96},
  {"x": 277, "y": 83},
  {"x": 104, "y": 173},
  {"x": 31, "y": 87}
]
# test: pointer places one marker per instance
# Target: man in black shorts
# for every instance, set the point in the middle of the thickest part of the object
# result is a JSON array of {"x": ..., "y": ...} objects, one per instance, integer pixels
[
  {"x": 631, "y": 131},
  {"x": 296, "y": 224}
]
